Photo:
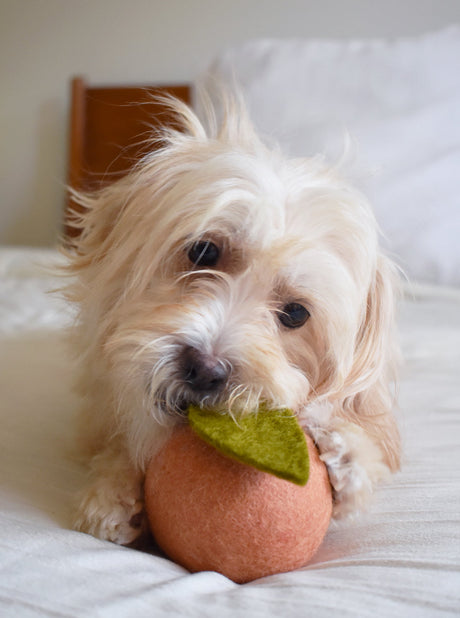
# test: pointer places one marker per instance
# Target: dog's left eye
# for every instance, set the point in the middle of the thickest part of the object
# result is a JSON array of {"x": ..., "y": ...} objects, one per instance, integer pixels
[
  {"x": 293, "y": 315},
  {"x": 204, "y": 253}
]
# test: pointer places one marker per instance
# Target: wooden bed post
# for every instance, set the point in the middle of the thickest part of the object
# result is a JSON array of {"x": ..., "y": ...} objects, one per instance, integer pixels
[
  {"x": 76, "y": 150},
  {"x": 107, "y": 134}
]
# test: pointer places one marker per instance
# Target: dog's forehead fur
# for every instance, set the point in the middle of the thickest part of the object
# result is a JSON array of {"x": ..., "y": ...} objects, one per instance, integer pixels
[{"x": 297, "y": 216}]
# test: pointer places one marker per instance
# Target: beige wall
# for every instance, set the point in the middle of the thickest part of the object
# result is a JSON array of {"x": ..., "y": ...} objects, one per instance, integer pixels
[{"x": 44, "y": 42}]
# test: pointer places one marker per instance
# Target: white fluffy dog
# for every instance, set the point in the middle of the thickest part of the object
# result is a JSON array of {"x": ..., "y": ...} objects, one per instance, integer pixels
[{"x": 220, "y": 273}]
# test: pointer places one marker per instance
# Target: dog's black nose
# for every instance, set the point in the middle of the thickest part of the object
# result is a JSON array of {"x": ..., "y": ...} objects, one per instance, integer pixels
[{"x": 203, "y": 372}]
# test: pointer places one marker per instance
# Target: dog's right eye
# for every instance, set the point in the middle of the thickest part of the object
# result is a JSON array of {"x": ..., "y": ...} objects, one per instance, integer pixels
[
  {"x": 293, "y": 315},
  {"x": 204, "y": 253}
]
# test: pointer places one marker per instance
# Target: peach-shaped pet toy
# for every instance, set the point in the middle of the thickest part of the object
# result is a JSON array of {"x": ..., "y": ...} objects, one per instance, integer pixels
[{"x": 245, "y": 498}]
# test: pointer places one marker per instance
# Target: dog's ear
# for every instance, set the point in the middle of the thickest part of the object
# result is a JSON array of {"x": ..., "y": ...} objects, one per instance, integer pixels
[
  {"x": 95, "y": 218},
  {"x": 95, "y": 268},
  {"x": 371, "y": 383}
]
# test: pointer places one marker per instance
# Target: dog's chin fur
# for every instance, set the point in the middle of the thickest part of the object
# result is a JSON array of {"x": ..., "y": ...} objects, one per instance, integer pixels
[{"x": 288, "y": 231}]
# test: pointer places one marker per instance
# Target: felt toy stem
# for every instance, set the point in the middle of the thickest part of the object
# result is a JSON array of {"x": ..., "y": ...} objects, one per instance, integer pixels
[{"x": 269, "y": 440}]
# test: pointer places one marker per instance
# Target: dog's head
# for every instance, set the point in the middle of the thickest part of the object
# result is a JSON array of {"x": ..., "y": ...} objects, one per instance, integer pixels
[{"x": 219, "y": 272}]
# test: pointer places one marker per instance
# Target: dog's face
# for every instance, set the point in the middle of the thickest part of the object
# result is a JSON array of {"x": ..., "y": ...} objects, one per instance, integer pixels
[{"x": 222, "y": 274}]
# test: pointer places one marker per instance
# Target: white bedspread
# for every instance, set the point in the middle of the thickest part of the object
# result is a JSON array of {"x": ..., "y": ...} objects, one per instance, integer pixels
[{"x": 402, "y": 559}]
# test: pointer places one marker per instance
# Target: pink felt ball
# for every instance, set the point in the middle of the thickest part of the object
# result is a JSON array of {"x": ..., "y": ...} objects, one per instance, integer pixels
[{"x": 211, "y": 513}]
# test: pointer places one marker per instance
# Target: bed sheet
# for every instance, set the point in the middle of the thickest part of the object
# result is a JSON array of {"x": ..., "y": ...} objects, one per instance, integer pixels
[{"x": 402, "y": 558}]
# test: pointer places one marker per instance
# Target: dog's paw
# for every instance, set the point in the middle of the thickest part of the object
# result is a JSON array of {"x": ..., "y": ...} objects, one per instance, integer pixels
[
  {"x": 112, "y": 514},
  {"x": 355, "y": 465}
]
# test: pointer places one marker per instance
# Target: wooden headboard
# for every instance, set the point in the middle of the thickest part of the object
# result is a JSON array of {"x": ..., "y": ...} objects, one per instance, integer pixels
[{"x": 108, "y": 129}]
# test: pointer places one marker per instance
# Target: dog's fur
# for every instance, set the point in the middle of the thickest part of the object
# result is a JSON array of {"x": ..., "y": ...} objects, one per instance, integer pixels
[{"x": 287, "y": 231}]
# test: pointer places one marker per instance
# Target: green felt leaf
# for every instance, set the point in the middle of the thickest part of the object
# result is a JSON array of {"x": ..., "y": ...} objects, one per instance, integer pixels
[{"x": 269, "y": 440}]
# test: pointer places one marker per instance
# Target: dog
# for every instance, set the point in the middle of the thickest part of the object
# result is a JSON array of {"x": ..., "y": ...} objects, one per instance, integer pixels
[{"x": 219, "y": 272}]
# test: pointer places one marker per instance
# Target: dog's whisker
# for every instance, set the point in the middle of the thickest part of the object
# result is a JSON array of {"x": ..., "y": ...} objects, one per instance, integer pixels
[{"x": 234, "y": 395}]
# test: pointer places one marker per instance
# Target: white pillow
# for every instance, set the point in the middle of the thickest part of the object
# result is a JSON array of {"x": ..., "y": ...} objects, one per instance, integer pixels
[{"x": 399, "y": 100}]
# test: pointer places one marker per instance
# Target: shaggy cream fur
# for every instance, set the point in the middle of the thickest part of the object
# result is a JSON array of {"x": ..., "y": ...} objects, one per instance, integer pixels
[{"x": 277, "y": 237}]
